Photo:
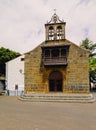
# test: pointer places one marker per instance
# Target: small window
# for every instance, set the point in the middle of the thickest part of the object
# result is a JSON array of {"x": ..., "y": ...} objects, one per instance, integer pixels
[
  {"x": 63, "y": 52},
  {"x": 51, "y": 33},
  {"x": 47, "y": 53},
  {"x": 59, "y": 32},
  {"x": 22, "y": 59},
  {"x": 55, "y": 53}
]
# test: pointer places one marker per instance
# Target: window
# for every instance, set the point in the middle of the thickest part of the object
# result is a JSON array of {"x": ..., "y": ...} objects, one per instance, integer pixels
[
  {"x": 51, "y": 33},
  {"x": 63, "y": 52},
  {"x": 47, "y": 53},
  {"x": 55, "y": 53},
  {"x": 59, "y": 32},
  {"x": 22, "y": 59}
]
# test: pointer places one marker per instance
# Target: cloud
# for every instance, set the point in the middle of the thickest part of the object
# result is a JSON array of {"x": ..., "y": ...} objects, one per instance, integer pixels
[
  {"x": 22, "y": 21},
  {"x": 85, "y": 2}
]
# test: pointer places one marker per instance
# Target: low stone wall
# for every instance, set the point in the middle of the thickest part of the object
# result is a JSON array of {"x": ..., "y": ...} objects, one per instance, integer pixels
[
  {"x": 66, "y": 89},
  {"x": 76, "y": 89},
  {"x": 36, "y": 88}
]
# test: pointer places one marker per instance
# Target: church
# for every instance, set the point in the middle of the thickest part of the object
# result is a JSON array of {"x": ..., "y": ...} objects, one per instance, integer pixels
[{"x": 57, "y": 65}]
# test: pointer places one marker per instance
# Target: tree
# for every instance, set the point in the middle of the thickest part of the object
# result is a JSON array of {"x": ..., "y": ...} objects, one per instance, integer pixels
[
  {"x": 87, "y": 44},
  {"x": 6, "y": 55},
  {"x": 92, "y": 63}
]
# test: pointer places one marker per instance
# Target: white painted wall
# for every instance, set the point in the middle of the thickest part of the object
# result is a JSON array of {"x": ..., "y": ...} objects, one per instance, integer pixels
[{"x": 15, "y": 76}]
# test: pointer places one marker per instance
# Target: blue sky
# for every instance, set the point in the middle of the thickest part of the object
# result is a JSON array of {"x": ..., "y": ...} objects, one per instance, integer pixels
[{"x": 22, "y": 21}]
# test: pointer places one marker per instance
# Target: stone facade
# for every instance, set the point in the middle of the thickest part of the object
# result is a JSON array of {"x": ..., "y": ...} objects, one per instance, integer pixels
[{"x": 75, "y": 74}]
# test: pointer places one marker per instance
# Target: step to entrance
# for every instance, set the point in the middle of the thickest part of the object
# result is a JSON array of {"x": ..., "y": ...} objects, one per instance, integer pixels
[{"x": 68, "y": 98}]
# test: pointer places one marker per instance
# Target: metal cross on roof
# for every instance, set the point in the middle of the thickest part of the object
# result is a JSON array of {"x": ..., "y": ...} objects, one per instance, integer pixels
[{"x": 55, "y": 11}]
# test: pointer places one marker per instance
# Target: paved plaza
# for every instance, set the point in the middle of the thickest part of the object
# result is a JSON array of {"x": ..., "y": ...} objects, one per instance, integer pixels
[{"x": 18, "y": 115}]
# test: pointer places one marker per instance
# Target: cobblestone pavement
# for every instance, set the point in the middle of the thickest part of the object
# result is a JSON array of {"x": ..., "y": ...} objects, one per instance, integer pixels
[{"x": 18, "y": 115}]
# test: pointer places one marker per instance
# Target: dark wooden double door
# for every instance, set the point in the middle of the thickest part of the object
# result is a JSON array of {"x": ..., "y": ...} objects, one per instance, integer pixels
[{"x": 55, "y": 82}]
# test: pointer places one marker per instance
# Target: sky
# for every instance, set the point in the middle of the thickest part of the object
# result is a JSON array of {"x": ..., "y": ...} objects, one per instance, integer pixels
[{"x": 22, "y": 22}]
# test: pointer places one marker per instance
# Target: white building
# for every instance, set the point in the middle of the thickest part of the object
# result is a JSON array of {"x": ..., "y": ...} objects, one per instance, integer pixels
[{"x": 15, "y": 76}]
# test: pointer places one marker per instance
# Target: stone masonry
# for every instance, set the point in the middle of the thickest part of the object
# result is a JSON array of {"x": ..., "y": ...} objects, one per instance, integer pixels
[{"x": 75, "y": 75}]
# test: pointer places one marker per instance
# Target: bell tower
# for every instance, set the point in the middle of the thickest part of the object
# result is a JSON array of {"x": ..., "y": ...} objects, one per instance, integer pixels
[
  {"x": 55, "y": 52},
  {"x": 55, "y": 29}
]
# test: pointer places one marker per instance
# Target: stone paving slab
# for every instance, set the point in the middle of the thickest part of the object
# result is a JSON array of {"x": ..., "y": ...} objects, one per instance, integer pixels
[{"x": 18, "y": 115}]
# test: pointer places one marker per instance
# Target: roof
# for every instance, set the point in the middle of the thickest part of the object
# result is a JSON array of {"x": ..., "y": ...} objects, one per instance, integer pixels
[
  {"x": 65, "y": 42},
  {"x": 21, "y": 56}
]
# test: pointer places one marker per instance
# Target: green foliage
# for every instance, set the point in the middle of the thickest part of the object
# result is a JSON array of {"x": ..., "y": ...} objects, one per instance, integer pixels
[
  {"x": 92, "y": 64},
  {"x": 6, "y": 55},
  {"x": 87, "y": 44}
]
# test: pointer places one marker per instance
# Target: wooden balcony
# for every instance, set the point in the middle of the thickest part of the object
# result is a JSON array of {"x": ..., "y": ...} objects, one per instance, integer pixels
[{"x": 54, "y": 61}]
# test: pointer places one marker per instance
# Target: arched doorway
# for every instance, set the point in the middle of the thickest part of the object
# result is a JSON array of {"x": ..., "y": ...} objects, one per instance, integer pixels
[{"x": 55, "y": 82}]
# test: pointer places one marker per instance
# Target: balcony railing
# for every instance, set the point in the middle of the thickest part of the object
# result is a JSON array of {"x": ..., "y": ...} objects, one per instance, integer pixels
[{"x": 53, "y": 61}]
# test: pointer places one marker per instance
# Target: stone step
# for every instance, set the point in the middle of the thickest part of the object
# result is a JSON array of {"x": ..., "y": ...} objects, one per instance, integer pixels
[
  {"x": 40, "y": 97},
  {"x": 57, "y": 97}
]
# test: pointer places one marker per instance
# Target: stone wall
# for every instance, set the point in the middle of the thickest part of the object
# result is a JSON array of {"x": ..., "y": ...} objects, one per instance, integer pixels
[
  {"x": 33, "y": 74},
  {"x": 75, "y": 74}
]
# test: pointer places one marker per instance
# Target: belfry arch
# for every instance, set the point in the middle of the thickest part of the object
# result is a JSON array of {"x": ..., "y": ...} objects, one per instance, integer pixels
[
  {"x": 59, "y": 32},
  {"x": 51, "y": 33}
]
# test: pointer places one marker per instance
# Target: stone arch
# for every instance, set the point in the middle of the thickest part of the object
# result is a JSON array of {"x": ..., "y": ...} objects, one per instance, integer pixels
[
  {"x": 59, "y": 32},
  {"x": 55, "y": 81},
  {"x": 51, "y": 33}
]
